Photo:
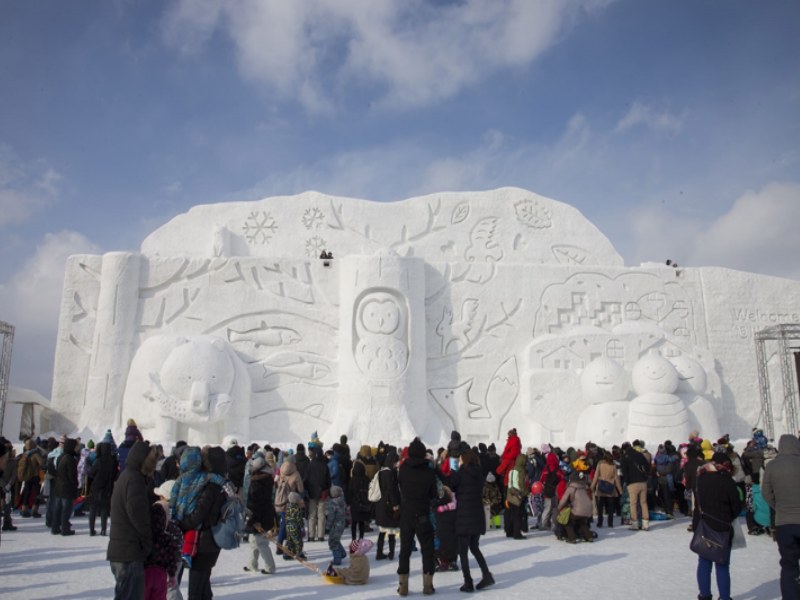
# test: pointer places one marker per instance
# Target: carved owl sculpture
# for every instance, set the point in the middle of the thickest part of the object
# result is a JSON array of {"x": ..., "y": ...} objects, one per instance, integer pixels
[{"x": 381, "y": 351}]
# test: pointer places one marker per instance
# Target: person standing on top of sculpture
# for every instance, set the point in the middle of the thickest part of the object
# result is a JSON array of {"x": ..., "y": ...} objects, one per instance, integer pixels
[
  {"x": 417, "y": 482},
  {"x": 780, "y": 487},
  {"x": 131, "y": 539}
]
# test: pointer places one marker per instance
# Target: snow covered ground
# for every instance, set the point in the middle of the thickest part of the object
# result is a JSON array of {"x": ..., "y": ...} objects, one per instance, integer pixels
[{"x": 621, "y": 564}]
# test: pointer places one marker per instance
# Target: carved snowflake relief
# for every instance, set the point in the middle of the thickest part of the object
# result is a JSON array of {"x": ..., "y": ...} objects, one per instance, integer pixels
[
  {"x": 531, "y": 214},
  {"x": 259, "y": 227},
  {"x": 314, "y": 246},
  {"x": 313, "y": 218}
]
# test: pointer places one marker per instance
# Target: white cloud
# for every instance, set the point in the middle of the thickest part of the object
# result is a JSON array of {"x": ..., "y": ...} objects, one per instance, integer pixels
[
  {"x": 25, "y": 188},
  {"x": 408, "y": 53},
  {"x": 31, "y": 301},
  {"x": 758, "y": 233},
  {"x": 650, "y": 117}
]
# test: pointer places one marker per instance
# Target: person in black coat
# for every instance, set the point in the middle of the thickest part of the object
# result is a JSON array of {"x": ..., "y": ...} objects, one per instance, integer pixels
[
  {"x": 236, "y": 461},
  {"x": 103, "y": 473},
  {"x": 719, "y": 504},
  {"x": 467, "y": 483},
  {"x": 262, "y": 514},
  {"x": 65, "y": 488},
  {"x": 358, "y": 496},
  {"x": 317, "y": 484},
  {"x": 131, "y": 539},
  {"x": 301, "y": 461},
  {"x": 417, "y": 482},
  {"x": 170, "y": 469},
  {"x": 203, "y": 518},
  {"x": 387, "y": 510}
]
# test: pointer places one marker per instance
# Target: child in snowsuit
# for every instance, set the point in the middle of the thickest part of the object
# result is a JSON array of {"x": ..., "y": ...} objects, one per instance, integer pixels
[
  {"x": 492, "y": 502},
  {"x": 358, "y": 571},
  {"x": 294, "y": 526},
  {"x": 335, "y": 519},
  {"x": 446, "y": 531}
]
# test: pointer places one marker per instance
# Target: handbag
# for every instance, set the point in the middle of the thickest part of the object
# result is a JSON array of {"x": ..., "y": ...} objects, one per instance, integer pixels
[
  {"x": 605, "y": 487},
  {"x": 564, "y": 515},
  {"x": 514, "y": 496},
  {"x": 709, "y": 543}
]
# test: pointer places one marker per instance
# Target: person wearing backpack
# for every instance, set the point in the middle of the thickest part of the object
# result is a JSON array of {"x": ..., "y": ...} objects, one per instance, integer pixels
[
  {"x": 606, "y": 488},
  {"x": 205, "y": 515}
]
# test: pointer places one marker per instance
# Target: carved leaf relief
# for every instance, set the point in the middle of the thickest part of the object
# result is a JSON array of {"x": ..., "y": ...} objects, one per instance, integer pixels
[{"x": 530, "y": 214}]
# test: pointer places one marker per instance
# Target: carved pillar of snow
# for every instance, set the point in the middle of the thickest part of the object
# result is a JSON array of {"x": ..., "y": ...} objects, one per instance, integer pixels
[
  {"x": 382, "y": 355},
  {"x": 114, "y": 339}
]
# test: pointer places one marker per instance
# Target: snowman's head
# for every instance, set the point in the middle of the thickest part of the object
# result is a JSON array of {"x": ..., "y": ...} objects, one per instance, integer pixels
[
  {"x": 604, "y": 380},
  {"x": 692, "y": 376},
  {"x": 654, "y": 373}
]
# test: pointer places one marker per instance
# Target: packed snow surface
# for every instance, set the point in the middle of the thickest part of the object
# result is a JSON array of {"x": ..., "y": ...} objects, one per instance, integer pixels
[{"x": 621, "y": 564}]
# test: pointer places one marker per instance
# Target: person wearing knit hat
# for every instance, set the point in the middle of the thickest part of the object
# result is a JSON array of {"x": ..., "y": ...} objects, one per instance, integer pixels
[
  {"x": 358, "y": 571},
  {"x": 335, "y": 509},
  {"x": 294, "y": 527},
  {"x": 418, "y": 483},
  {"x": 259, "y": 482},
  {"x": 718, "y": 504}
]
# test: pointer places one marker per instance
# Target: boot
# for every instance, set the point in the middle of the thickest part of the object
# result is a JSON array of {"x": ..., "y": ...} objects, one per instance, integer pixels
[
  {"x": 610, "y": 520},
  {"x": 427, "y": 584},
  {"x": 467, "y": 587},
  {"x": 645, "y": 525},
  {"x": 402, "y": 588},
  {"x": 379, "y": 555},
  {"x": 699, "y": 597},
  {"x": 392, "y": 540},
  {"x": 486, "y": 581}
]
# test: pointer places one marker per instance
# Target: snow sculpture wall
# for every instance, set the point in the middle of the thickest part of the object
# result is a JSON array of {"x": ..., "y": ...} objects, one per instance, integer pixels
[{"x": 474, "y": 311}]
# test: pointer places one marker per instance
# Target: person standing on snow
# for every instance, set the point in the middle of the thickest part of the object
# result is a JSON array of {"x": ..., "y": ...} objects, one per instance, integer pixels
[{"x": 780, "y": 487}]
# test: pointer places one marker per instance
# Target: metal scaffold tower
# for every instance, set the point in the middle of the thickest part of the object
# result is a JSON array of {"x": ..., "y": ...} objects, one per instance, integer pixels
[
  {"x": 787, "y": 339},
  {"x": 7, "y": 331}
]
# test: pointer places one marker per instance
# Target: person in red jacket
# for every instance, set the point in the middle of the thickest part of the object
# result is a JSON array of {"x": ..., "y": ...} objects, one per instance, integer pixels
[{"x": 510, "y": 453}]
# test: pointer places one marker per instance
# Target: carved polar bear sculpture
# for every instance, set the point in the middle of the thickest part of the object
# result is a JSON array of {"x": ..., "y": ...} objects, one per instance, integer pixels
[{"x": 194, "y": 388}]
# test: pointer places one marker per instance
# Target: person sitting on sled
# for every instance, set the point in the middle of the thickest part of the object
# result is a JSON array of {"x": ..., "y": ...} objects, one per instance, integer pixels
[{"x": 358, "y": 571}]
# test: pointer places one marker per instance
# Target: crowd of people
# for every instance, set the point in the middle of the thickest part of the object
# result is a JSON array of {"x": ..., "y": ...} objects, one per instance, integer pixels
[{"x": 160, "y": 511}]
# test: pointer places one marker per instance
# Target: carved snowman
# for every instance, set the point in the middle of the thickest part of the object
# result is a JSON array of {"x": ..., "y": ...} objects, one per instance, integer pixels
[
  {"x": 656, "y": 413},
  {"x": 604, "y": 384},
  {"x": 692, "y": 382}
]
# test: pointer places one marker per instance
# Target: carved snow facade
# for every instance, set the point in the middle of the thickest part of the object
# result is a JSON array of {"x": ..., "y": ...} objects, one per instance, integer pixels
[{"x": 473, "y": 311}]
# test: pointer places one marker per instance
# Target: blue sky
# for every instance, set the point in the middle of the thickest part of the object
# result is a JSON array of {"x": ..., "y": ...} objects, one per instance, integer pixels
[{"x": 674, "y": 126}]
